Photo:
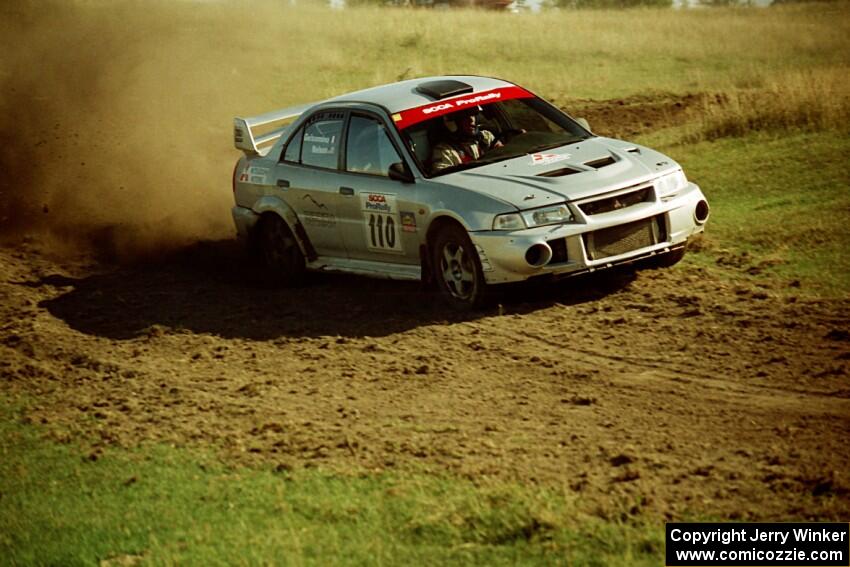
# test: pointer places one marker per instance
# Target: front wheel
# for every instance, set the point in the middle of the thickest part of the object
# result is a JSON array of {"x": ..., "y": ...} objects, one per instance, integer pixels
[
  {"x": 457, "y": 269},
  {"x": 282, "y": 258}
]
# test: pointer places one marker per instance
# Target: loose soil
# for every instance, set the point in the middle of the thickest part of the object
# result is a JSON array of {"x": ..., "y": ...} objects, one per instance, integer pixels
[
  {"x": 628, "y": 117},
  {"x": 661, "y": 393}
]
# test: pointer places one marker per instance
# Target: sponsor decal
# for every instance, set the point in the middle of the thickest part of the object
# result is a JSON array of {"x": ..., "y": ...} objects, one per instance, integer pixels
[
  {"x": 254, "y": 174},
  {"x": 381, "y": 222},
  {"x": 321, "y": 144},
  {"x": 408, "y": 221},
  {"x": 317, "y": 139},
  {"x": 474, "y": 101},
  {"x": 377, "y": 202},
  {"x": 544, "y": 159},
  {"x": 412, "y": 116}
]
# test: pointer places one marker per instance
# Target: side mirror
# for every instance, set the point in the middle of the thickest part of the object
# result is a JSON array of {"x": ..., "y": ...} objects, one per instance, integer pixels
[
  {"x": 400, "y": 172},
  {"x": 584, "y": 123}
]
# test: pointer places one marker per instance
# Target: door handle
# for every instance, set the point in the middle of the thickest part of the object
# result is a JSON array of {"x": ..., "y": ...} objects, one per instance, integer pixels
[
  {"x": 346, "y": 191},
  {"x": 282, "y": 183}
]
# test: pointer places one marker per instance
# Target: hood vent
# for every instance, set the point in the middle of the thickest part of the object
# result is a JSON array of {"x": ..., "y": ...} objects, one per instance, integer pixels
[
  {"x": 601, "y": 162},
  {"x": 633, "y": 150},
  {"x": 558, "y": 172}
]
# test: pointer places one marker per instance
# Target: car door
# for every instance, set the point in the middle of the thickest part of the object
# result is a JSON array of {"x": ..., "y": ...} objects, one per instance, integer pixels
[
  {"x": 378, "y": 214},
  {"x": 307, "y": 177}
]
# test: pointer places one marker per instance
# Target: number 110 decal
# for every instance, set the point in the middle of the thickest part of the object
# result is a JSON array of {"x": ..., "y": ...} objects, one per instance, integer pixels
[
  {"x": 383, "y": 233},
  {"x": 381, "y": 222}
]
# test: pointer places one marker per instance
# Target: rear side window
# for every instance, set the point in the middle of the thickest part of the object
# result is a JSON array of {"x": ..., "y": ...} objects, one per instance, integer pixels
[
  {"x": 293, "y": 149},
  {"x": 321, "y": 140},
  {"x": 369, "y": 149}
]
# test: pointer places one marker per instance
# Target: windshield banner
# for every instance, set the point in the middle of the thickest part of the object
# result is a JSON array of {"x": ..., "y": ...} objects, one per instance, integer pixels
[{"x": 412, "y": 116}]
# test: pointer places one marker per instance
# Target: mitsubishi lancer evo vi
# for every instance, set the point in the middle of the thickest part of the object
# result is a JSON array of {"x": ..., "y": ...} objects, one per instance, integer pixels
[{"x": 464, "y": 181}]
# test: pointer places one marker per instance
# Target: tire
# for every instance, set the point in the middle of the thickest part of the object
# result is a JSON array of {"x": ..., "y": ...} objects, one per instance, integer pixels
[
  {"x": 281, "y": 257},
  {"x": 457, "y": 270}
]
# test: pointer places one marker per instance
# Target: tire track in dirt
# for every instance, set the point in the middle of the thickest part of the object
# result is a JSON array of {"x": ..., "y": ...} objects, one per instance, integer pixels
[{"x": 676, "y": 372}]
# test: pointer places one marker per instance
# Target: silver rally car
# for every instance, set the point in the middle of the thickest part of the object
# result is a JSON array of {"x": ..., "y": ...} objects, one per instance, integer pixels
[{"x": 351, "y": 184}]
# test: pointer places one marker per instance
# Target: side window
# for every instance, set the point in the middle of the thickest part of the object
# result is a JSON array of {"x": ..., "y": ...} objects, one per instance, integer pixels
[
  {"x": 369, "y": 148},
  {"x": 293, "y": 149},
  {"x": 527, "y": 118},
  {"x": 320, "y": 145}
]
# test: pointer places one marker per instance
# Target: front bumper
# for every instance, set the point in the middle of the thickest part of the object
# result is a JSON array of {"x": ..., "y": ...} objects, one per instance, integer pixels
[{"x": 594, "y": 241}]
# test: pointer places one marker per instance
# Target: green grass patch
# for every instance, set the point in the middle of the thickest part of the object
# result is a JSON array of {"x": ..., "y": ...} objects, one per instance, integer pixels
[
  {"x": 782, "y": 201},
  {"x": 162, "y": 505}
]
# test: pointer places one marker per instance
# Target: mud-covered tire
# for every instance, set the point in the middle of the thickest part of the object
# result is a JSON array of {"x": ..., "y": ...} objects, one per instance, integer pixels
[
  {"x": 457, "y": 270},
  {"x": 280, "y": 255}
]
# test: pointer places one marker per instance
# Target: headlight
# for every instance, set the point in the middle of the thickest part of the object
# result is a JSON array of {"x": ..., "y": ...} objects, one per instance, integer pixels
[
  {"x": 556, "y": 214},
  {"x": 548, "y": 215},
  {"x": 670, "y": 184},
  {"x": 510, "y": 221}
]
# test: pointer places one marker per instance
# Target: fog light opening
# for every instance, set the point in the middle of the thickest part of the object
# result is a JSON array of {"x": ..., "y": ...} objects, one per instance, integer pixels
[
  {"x": 701, "y": 212},
  {"x": 538, "y": 255}
]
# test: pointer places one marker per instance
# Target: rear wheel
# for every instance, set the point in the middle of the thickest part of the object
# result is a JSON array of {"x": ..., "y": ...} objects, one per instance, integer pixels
[
  {"x": 457, "y": 269},
  {"x": 281, "y": 256}
]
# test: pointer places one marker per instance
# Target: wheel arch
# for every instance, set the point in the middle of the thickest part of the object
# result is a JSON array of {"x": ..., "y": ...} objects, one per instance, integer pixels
[
  {"x": 479, "y": 295},
  {"x": 438, "y": 222},
  {"x": 269, "y": 205}
]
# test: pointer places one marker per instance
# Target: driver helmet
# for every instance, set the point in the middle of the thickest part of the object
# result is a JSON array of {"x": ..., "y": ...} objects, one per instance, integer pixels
[{"x": 455, "y": 123}]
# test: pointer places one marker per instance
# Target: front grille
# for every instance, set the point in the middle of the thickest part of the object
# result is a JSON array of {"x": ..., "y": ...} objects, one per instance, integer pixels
[
  {"x": 619, "y": 202},
  {"x": 625, "y": 238}
]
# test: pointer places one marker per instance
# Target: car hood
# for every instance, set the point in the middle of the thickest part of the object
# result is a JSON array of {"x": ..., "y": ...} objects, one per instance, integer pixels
[{"x": 572, "y": 172}]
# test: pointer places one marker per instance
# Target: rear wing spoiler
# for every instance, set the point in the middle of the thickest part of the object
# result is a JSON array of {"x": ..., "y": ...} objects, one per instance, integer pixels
[{"x": 243, "y": 128}]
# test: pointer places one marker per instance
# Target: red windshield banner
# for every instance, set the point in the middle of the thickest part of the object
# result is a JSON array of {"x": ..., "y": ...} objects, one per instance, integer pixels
[{"x": 407, "y": 118}]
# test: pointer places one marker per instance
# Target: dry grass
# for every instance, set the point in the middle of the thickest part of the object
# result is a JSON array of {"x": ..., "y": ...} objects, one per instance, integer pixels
[{"x": 801, "y": 101}]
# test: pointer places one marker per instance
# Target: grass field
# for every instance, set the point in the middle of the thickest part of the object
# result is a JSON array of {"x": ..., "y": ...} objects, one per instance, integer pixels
[
  {"x": 769, "y": 148},
  {"x": 775, "y": 212},
  {"x": 61, "y": 506}
]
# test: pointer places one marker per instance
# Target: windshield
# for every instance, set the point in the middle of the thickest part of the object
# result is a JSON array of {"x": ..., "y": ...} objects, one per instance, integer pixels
[{"x": 487, "y": 133}]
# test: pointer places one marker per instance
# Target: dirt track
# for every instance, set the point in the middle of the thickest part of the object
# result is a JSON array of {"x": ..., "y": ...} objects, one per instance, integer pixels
[{"x": 659, "y": 392}]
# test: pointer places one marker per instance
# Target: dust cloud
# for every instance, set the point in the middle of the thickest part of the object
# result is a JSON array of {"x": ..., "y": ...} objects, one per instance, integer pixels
[{"x": 116, "y": 129}]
